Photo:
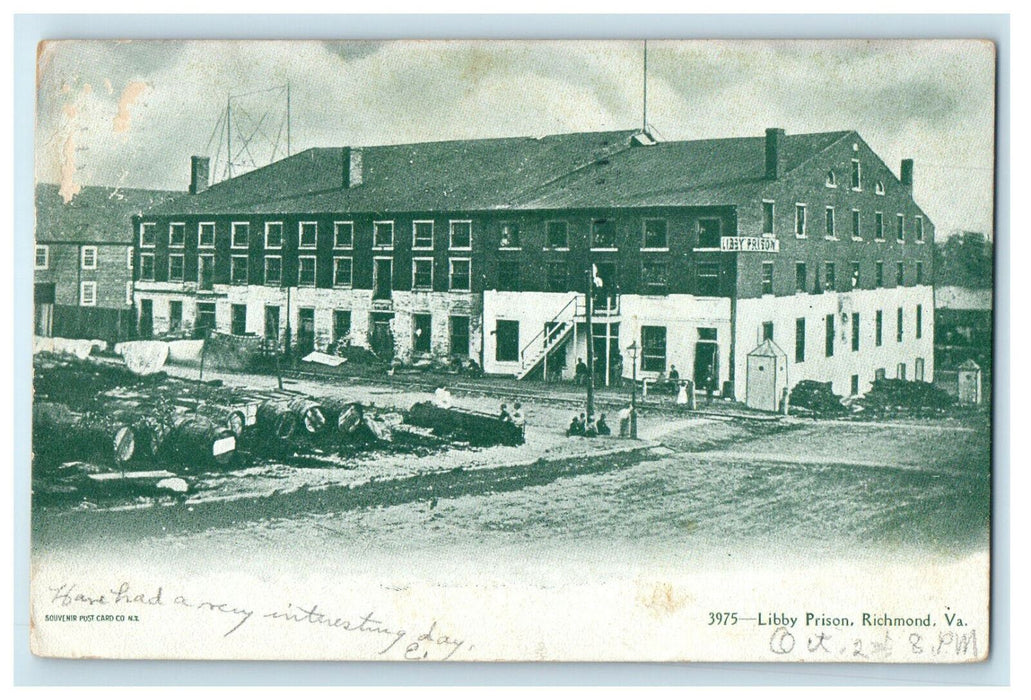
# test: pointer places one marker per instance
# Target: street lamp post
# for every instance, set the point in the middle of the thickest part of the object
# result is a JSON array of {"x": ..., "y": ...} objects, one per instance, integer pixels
[{"x": 633, "y": 391}]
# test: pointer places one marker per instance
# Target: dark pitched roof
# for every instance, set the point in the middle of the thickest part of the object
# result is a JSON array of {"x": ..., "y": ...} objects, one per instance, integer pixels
[
  {"x": 94, "y": 215},
  {"x": 562, "y": 171}
]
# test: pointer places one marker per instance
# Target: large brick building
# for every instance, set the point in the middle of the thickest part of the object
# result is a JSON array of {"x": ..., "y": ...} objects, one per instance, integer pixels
[
  {"x": 83, "y": 261},
  {"x": 697, "y": 250}
]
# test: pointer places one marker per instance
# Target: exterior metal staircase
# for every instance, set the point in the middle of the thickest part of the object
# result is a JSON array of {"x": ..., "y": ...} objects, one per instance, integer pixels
[{"x": 559, "y": 329}]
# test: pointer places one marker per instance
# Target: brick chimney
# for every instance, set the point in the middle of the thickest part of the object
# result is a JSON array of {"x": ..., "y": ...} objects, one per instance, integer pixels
[
  {"x": 774, "y": 153},
  {"x": 353, "y": 167},
  {"x": 906, "y": 176},
  {"x": 199, "y": 171}
]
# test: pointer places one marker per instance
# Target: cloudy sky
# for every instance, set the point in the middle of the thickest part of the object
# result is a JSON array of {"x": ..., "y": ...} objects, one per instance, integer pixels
[{"x": 131, "y": 113}]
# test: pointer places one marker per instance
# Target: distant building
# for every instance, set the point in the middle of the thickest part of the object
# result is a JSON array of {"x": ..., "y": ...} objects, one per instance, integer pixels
[
  {"x": 83, "y": 261},
  {"x": 697, "y": 251},
  {"x": 963, "y": 327}
]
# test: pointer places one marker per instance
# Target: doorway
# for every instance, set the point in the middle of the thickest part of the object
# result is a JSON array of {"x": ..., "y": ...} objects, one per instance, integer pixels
[
  {"x": 146, "y": 318},
  {"x": 381, "y": 338},
  {"x": 305, "y": 330},
  {"x": 272, "y": 326},
  {"x": 706, "y": 365}
]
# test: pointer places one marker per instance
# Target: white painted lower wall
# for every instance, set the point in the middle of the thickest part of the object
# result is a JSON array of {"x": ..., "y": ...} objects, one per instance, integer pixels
[{"x": 845, "y": 362}]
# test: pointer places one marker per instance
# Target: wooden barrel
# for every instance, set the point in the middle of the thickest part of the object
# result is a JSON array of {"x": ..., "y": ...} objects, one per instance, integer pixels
[
  {"x": 344, "y": 414},
  {"x": 309, "y": 414},
  {"x": 198, "y": 440},
  {"x": 276, "y": 421}
]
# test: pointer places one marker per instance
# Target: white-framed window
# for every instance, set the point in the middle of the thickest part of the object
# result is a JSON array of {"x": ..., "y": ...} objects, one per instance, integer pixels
[
  {"x": 148, "y": 234},
  {"x": 655, "y": 235},
  {"x": 206, "y": 234},
  {"x": 900, "y": 227},
  {"x": 422, "y": 235},
  {"x": 878, "y": 226},
  {"x": 460, "y": 275},
  {"x": 176, "y": 234},
  {"x": 800, "y": 222},
  {"x": 343, "y": 268},
  {"x": 128, "y": 259},
  {"x": 273, "y": 270},
  {"x": 831, "y": 230},
  {"x": 461, "y": 234},
  {"x": 307, "y": 234},
  {"x": 343, "y": 234},
  {"x": 422, "y": 273},
  {"x": 383, "y": 234},
  {"x": 241, "y": 233},
  {"x": 238, "y": 269},
  {"x": 43, "y": 257},
  {"x": 88, "y": 294},
  {"x": 274, "y": 234},
  {"x": 603, "y": 234},
  {"x": 147, "y": 267},
  {"x": 176, "y": 265},
  {"x": 306, "y": 271},
  {"x": 879, "y": 187},
  {"x": 89, "y": 257},
  {"x": 831, "y": 181},
  {"x": 128, "y": 293},
  {"x": 918, "y": 228},
  {"x": 857, "y": 175},
  {"x": 857, "y": 227}
]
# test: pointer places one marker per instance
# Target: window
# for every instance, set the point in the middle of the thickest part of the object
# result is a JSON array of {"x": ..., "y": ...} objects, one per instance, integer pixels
[
  {"x": 855, "y": 274},
  {"x": 128, "y": 292},
  {"x": 422, "y": 273},
  {"x": 878, "y": 226},
  {"x": 383, "y": 234},
  {"x": 422, "y": 326},
  {"x": 239, "y": 319},
  {"x": 508, "y": 276},
  {"x": 767, "y": 331},
  {"x": 205, "y": 318},
  {"x": 879, "y": 187},
  {"x": 900, "y": 273},
  {"x": 855, "y": 332},
  {"x": 857, "y": 174},
  {"x": 900, "y": 227},
  {"x": 206, "y": 272},
  {"x": 557, "y": 234},
  {"x": 878, "y": 272},
  {"x": 274, "y": 234},
  {"x": 878, "y": 328},
  {"x": 655, "y": 234},
  {"x": 918, "y": 228},
  {"x": 557, "y": 277},
  {"x": 654, "y": 277},
  {"x": 653, "y": 348},
  {"x": 898, "y": 325},
  {"x": 708, "y": 279},
  {"x": 307, "y": 234},
  {"x": 306, "y": 271},
  {"x": 342, "y": 271},
  {"x": 828, "y": 278},
  {"x": 128, "y": 259},
  {"x": 767, "y": 279},
  {"x": 461, "y": 235},
  {"x": 206, "y": 234},
  {"x": 831, "y": 181},
  {"x": 148, "y": 235},
  {"x": 800, "y": 276},
  {"x": 343, "y": 234},
  {"x": 509, "y": 235},
  {"x": 830, "y": 221},
  {"x": 506, "y": 335},
  {"x": 175, "y": 268},
  {"x": 709, "y": 232},
  {"x": 459, "y": 331},
  {"x": 382, "y": 278},
  {"x": 857, "y": 231},
  {"x": 88, "y": 294},
  {"x": 238, "y": 269},
  {"x": 800, "y": 220},
  {"x": 828, "y": 342},
  {"x": 919, "y": 321},
  {"x": 341, "y": 324},
  {"x": 603, "y": 233},
  {"x": 919, "y": 272},
  {"x": 799, "y": 340},
  {"x": 89, "y": 257},
  {"x": 918, "y": 369},
  {"x": 422, "y": 235},
  {"x": 241, "y": 234},
  {"x": 461, "y": 273},
  {"x": 273, "y": 270},
  {"x": 147, "y": 266},
  {"x": 768, "y": 217},
  {"x": 879, "y": 374},
  {"x": 43, "y": 257},
  {"x": 854, "y": 385},
  {"x": 175, "y": 316},
  {"x": 176, "y": 235},
  {"x": 900, "y": 371}
]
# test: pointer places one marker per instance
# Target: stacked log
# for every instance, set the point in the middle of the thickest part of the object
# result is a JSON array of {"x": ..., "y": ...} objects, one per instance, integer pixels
[
  {"x": 309, "y": 414},
  {"x": 196, "y": 440},
  {"x": 480, "y": 429},
  {"x": 345, "y": 416},
  {"x": 60, "y": 433},
  {"x": 276, "y": 421}
]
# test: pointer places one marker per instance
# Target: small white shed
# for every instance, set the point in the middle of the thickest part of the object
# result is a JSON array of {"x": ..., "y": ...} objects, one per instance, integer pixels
[
  {"x": 969, "y": 381},
  {"x": 767, "y": 377}
]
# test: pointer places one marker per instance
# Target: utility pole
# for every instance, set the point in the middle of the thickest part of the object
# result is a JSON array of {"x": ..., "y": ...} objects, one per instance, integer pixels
[
  {"x": 590, "y": 345},
  {"x": 644, "y": 119},
  {"x": 633, "y": 391}
]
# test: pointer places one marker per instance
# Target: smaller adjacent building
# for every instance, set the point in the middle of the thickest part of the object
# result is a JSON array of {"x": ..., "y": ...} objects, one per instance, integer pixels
[
  {"x": 83, "y": 261},
  {"x": 963, "y": 341}
]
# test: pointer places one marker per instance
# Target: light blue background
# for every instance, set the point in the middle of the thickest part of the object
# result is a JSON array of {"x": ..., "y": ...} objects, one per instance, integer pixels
[{"x": 30, "y": 29}]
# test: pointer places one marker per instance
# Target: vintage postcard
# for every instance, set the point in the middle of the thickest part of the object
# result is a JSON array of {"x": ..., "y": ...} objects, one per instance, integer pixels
[{"x": 513, "y": 350}]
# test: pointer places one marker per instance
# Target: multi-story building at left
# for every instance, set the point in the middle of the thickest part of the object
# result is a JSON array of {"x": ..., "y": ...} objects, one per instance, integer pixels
[{"x": 83, "y": 261}]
